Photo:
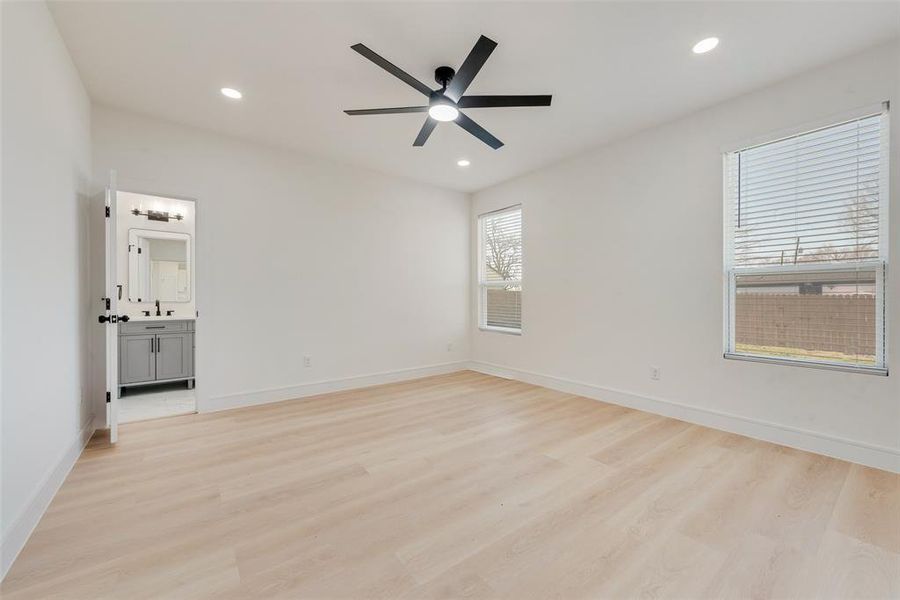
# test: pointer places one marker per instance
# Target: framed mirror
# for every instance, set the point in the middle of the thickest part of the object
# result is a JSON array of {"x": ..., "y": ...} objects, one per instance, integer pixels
[{"x": 159, "y": 266}]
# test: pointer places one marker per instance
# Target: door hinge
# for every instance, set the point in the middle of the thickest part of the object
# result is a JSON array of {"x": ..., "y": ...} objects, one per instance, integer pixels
[
  {"x": 107, "y": 212},
  {"x": 108, "y": 397}
]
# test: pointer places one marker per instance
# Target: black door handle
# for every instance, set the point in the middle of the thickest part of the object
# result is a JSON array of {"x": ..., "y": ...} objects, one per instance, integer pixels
[{"x": 113, "y": 319}]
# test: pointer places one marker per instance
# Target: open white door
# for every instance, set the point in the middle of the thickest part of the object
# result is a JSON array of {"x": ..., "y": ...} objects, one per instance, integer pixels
[
  {"x": 112, "y": 329},
  {"x": 109, "y": 319}
]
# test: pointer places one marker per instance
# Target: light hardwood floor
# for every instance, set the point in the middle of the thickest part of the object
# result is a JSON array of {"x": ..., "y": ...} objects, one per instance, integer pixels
[{"x": 461, "y": 485}]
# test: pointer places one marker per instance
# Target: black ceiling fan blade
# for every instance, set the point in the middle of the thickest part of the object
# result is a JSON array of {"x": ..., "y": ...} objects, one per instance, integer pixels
[
  {"x": 392, "y": 69},
  {"x": 388, "y": 111},
  {"x": 426, "y": 130},
  {"x": 503, "y": 101},
  {"x": 478, "y": 131},
  {"x": 470, "y": 67}
]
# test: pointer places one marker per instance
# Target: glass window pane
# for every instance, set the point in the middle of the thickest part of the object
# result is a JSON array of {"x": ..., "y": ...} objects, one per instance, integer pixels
[
  {"x": 503, "y": 307},
  {"x": 501, "y": 236},
  {"x": 815, "y": 316}
]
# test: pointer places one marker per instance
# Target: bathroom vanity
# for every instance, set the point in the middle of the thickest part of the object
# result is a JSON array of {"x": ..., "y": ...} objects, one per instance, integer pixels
[{"x": 155, "y": 351}]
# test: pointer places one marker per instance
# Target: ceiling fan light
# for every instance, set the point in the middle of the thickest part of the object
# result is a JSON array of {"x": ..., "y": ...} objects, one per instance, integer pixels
[{"x": 443, "y": 112}]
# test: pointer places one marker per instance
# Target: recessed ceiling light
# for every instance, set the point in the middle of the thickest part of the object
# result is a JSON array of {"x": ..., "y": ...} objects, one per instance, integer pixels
[
  {"x": 463, "y": 162},
  {"x": 232, "y": 93},
  {"x": 706, "y": 45}
]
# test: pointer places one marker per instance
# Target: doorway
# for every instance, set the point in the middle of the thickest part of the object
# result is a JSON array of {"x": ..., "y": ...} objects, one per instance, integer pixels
[{"x": 150, "y": 307}]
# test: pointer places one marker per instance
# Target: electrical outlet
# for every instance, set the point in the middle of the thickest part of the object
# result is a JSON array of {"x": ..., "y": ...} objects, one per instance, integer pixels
[
  {"x": 307, "y": 361},
  {"x": 654, "y": 373},
  {"x": 450, "y": 347}
]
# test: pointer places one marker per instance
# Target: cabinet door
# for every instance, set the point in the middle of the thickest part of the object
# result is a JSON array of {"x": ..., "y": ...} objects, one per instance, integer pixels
[
  {"x": 174, "y": 355},
  {"x": 137, "y": 359}
]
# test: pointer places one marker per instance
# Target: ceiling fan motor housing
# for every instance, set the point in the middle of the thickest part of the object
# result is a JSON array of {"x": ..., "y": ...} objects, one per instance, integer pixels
[
  {"x": 443, "y": 75},
  {"x": 438, "y": 97}
]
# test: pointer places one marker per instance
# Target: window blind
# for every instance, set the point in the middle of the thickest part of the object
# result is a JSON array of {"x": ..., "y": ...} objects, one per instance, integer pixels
[
  {"x": 500, "y": 269},
  {"x": 805, "y": 247},
  {"x": 810, "y": 198}
]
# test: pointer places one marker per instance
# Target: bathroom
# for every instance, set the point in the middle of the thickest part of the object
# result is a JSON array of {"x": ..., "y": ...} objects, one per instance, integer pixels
[{"x": 155, "y": 291}]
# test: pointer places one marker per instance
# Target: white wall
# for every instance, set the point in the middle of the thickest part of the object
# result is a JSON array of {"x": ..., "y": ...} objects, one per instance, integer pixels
[
  {"x": 364, "y": 273},
  {"x": 623, "y": 270},
  {"x": 46, "y": 174}
]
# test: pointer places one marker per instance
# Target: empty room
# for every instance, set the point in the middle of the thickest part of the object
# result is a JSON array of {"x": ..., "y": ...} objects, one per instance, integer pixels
[{"x": 351, "y": 300}]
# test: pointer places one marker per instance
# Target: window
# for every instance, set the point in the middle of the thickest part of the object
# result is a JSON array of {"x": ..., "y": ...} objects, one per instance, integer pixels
[
  {"x": 500, "y": 270},
  {"x": 806, "y": 247}
]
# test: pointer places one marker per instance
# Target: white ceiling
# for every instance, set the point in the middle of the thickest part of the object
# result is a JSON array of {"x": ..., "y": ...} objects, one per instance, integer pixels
[{"x": 613, "y": 68}]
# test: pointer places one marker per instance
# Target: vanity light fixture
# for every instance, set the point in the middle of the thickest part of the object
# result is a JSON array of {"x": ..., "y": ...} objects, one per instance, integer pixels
[{"x": 156, "y": 215}]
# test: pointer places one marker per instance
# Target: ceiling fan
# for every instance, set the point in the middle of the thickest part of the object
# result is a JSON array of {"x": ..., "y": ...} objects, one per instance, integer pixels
[{"x": 444, "y": 103}]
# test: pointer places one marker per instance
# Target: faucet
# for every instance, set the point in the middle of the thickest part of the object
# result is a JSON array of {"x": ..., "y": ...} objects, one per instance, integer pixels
[{"x": 158, "y": 313}]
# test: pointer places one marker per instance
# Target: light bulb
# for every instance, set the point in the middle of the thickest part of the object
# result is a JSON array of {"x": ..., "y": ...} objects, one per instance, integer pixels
[
  {"x": 706, "y": 45},
  {"x": 443, "y": 112}
]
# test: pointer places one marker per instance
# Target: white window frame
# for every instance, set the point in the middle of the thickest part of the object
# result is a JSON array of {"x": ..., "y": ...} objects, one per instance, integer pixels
[
  {"x": 879, "y": 265},
  {"x": 483, "y": 284}
]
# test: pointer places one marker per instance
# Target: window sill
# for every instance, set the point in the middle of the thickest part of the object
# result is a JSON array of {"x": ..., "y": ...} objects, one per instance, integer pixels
[
  {"x": 506, "y": 330},
  {"x": 808, "y": 364}
]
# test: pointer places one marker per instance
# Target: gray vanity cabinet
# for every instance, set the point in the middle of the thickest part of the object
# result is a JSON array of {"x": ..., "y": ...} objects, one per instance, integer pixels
[
  {"x": 155, "y": 351},
  {"x": 174, "y": 355},
  {"x": 137, "y": 358}
]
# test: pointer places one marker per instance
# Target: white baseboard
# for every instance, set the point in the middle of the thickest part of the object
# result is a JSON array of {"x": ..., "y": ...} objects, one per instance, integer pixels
[
  {"x": 315, "y": 388},
  {"x": 880, "y": 457},
  {"x": 16, "y": 535}
]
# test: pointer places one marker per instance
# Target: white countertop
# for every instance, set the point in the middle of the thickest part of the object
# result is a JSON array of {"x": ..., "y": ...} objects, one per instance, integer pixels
[{"x": 142, "y": 318}]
